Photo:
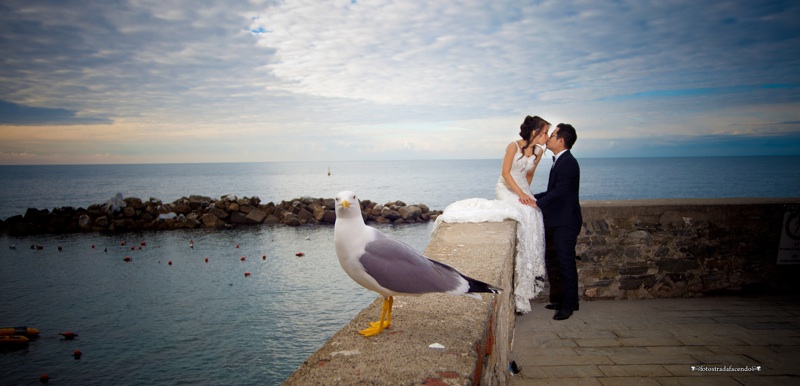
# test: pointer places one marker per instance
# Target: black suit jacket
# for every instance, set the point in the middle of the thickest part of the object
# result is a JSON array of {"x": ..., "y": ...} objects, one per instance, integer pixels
[{"x": 559, "y": 204}]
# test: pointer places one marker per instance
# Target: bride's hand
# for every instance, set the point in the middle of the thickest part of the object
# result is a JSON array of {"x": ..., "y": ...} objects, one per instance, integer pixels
[{"x": 527, "y": 200}]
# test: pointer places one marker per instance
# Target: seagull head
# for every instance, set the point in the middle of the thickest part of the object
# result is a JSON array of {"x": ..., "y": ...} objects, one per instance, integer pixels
[{"x": 347, "y": 205}]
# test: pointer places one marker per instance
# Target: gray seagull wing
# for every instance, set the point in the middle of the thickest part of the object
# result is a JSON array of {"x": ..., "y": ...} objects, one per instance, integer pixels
[{"x": 398, "y": 267}]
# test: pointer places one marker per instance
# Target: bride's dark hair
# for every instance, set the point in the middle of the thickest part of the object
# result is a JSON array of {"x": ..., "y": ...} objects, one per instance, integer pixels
[{"x": 531, "y": 126}]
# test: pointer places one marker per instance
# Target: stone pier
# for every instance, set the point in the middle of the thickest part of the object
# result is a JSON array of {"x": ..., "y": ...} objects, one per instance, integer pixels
[{"x": 645, "y": 249}]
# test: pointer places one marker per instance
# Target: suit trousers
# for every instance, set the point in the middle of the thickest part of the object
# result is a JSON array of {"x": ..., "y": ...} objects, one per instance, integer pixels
[{"x": 562, "y": 270}]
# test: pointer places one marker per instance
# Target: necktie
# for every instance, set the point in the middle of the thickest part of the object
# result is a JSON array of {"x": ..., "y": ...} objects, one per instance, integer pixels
[{"x": 554, "y": 162}]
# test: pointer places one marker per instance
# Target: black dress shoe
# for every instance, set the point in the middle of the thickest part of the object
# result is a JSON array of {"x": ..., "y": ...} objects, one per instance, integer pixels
[
  {"x": 563, "y": 314},
  {"x": 557, "y": 306}
]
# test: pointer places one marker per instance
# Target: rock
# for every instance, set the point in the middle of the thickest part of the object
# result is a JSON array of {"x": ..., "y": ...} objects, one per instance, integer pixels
[
  {"x": 182, "y": 209},
  {"x": 101, "y": 221},
  {"x": 636, "y": 237},
  {"x": 329, "y": 217},
  {"x": 678, "y": 265},
  {"x": 196, "y": 200},
  {"x": 329, "y": 203},
  {"x": 84, "y": 222},
  {"x": 317, "y": 210},
  {"x": 410, "y": 212},
  {"x": 633, "y": 270},
  {"x": 135, "y": 203},
  {"x": 256, "y": 216},
  {"x": 304, "y": 214},
  {"x": 238, "y": 218},
  {"x": 291, "y": 220},
  {"x": 382, "y": 220},
  {"x": 129, "y": 211},
  {"x": 211, "y": 221},
  {"x": 191, "y": 223},
  {"x": 272, "y": 220},
  {"x": 218, "y": 213},
  {"x": 389, "y": 214},
  {"x": 246, "y": 209}
]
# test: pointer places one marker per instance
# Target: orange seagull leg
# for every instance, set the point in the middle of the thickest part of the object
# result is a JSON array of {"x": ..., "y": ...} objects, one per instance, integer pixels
[{"x": 377, "y": 327}]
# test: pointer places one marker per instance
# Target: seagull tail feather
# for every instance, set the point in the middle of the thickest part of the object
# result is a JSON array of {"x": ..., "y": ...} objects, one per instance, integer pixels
[{"x": 477, "y": 286}]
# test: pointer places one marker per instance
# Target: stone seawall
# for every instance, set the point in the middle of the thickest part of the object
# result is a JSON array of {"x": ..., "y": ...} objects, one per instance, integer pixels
[
  {"x": 133, "y": 214},
  {"x": 435, "y": 339},
  {"x": 682, "y": 248},
  {"x": 628, "y": 250}
]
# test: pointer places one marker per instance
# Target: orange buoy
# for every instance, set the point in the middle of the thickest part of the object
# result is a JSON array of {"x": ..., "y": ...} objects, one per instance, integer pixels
[
  {"x": 242, "y": 259},
  {"x": 59, "y": 248},
  {"x": 237, "y": 246},
  {"x": 246, "y": 274},
  {"x": 92, "y": 246},
  {"x": 143, "y": 243},
  {"x": 122, "y": 243},
  {"x": 206, "y": 260},
  {"x": 44, "y": 378},
  {"x": 298, "y": 254},
  {"x": 68, "y": 335},
  {"x": 77, "y": 354},
  {"x": 264, "y": 257},
  {"x": 169, "y": 262},
  {"x": 133, "y": 248},
  {"x": 127, "y": 258}
]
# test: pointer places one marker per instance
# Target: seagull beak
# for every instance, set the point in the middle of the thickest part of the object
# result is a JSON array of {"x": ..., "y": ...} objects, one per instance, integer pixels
[{"x": 345, "y": 204}]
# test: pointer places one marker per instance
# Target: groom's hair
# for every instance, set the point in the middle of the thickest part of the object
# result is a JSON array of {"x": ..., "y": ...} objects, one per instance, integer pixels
[{"x": 567, "y": 132}]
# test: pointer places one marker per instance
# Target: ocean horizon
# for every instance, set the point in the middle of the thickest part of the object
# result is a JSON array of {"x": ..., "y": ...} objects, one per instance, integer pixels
[{"x": 436, "y": 183}]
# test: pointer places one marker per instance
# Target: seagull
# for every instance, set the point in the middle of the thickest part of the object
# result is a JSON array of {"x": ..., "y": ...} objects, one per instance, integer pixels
[{"x": 389, "y": 267}]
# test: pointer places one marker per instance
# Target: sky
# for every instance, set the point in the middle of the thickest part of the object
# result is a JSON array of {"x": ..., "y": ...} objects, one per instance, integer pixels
[{"x": 187, "y": 81}]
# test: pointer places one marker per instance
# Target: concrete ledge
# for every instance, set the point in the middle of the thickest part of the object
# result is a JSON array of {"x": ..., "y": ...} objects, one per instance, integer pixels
[{"x": 475, "y": 334}]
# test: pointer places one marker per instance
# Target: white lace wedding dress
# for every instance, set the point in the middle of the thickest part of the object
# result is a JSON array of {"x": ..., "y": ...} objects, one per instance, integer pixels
[{"x": 529, "y": 269}]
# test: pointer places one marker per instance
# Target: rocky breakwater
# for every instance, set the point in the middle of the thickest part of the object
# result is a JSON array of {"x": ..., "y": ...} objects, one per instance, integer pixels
[{"x": 133, "y": 214}]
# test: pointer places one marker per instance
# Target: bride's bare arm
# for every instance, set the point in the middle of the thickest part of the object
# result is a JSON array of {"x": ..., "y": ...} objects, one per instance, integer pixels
[{"x": 511, "y": 150}]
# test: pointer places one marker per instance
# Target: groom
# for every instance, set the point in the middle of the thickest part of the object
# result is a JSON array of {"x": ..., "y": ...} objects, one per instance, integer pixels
[{"x": 562, "y": 221}]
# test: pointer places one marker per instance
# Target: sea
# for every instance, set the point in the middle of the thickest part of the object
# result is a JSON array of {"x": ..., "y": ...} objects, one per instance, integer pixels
[{"x": 185, "y": 311}]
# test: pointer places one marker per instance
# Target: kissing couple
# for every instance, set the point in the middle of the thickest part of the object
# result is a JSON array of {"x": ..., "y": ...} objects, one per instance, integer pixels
[{"x": 548, "y": 222}]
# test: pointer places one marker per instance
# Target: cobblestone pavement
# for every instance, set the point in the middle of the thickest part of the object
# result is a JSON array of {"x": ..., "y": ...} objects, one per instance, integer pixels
[{"x": 697, "y": 341}]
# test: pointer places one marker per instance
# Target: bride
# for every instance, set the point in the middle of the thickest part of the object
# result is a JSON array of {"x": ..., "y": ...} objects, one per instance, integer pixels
[{"x": 514, "y": 201}]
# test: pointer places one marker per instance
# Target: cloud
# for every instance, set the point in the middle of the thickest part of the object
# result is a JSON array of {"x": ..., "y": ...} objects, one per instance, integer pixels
[
  {"x": 249, "y": 79},
  {"x": 14, "y": 114},
  {"x": 694, "y": 146}
]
